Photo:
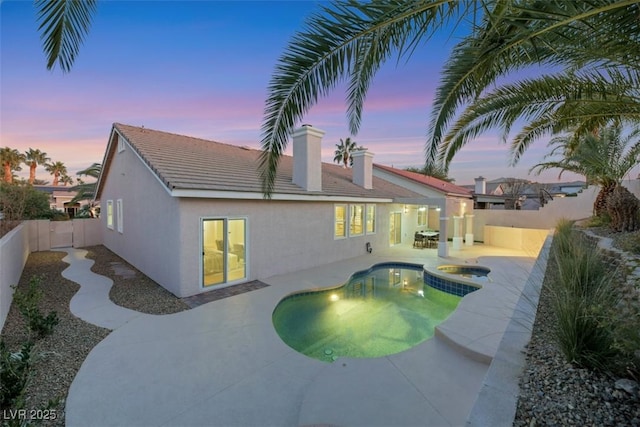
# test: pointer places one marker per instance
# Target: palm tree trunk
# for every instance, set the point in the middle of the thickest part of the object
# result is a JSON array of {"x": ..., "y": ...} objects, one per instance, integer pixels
[
  {"x": 8, "y": 176},
  {"x": 600, "y": 204},
  {"x": 623, "y": 208},
  {"x": 32, "y": 173}
]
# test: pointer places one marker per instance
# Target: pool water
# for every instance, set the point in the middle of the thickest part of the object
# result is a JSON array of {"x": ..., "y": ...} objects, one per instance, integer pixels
[{"x": 378, "y": 312}]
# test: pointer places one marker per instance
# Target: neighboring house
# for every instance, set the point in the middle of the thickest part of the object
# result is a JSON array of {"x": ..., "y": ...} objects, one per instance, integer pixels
[
  {"x": 191, "y": 215},
  {"x": 487, "y": 195},
  {"x": 60, "y": 198},
  {"x": 565, "y": 188}
]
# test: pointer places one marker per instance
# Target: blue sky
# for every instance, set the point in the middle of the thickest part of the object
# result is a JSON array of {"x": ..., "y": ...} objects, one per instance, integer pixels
[{"x": 201, "y": 68}]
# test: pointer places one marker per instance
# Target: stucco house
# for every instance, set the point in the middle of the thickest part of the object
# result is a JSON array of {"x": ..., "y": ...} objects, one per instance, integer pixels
[{"x": 191, "y": 215}]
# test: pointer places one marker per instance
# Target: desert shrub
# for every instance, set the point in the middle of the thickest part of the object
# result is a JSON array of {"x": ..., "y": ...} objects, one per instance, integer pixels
[
  {"x": 592, "y": 329},
  {"x": 582, "y": 299},
  {"x": 14, "y": 373},
  {"x": 27, "y": 303}
]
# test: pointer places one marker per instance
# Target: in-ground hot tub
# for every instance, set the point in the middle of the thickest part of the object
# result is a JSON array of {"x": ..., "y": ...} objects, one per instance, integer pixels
[{"x": 456, "y": 279}]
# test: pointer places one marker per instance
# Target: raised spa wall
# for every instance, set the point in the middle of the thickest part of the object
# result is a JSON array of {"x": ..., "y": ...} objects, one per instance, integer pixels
[{"x": 447, "y": 283}]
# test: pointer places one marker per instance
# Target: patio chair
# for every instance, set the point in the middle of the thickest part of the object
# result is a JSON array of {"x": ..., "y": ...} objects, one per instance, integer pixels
[{"x": 418, "y": 240}]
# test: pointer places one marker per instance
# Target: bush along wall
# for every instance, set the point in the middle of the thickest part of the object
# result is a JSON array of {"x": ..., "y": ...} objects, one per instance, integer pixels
[{"x": 595, "y": 297}]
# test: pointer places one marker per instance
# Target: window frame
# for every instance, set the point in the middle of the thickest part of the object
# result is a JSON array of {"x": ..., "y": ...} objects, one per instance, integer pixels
[
  {"x": 119, "y": 216},
  {"x": 352, "y": 219},
  {"x": 368, "y": 220},
  {"x": 345, "y": 210},
  {"x": 110, "y": 214}
]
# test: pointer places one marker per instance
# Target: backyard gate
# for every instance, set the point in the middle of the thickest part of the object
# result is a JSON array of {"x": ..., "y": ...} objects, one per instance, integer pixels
[{"x": 61, "y": 234}]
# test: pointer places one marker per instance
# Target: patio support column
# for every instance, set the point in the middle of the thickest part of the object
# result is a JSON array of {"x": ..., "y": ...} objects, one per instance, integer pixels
[
  {"x": 457, "y": 233},
  {"x": 443, "y": 247},
  {"x": 468, "y": 237}
]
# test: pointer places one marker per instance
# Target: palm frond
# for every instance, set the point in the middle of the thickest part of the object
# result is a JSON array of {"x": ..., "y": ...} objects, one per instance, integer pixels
[
  {"x": 63, "y": 27},
  {"x": 345, "y": 39},
  {"x": 548, "y": 105},
  {"x": 569, "y": 35}
]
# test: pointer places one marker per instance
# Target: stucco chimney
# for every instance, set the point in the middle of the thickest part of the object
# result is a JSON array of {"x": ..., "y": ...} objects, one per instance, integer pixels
[
  {"x": 362, "y": 168},
  {"x": 307, "y": 164},
  {"x": 481, "y": 185}
]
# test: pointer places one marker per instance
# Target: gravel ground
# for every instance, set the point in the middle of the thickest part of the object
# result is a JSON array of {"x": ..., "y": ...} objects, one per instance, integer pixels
[
  {"x": 61, "y": 354},
  {"x": 556, "y": 393},
  {"x": 131, "y": 288}
]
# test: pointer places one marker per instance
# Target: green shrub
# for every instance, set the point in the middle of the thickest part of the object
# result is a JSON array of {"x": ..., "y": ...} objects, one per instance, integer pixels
[
  {"x": 27, "y": 303},
  {"x": 14, "y": 373},
  {"x": 602, "y": 220},
  {"x": 596, "y": 328},
  {"x": 22, "y": 201},
  {"x": 582, "y": 301}
]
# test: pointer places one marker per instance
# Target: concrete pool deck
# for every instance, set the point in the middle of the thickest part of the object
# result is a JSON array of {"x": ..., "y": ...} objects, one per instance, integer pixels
[{"x": 223, "y": 364}]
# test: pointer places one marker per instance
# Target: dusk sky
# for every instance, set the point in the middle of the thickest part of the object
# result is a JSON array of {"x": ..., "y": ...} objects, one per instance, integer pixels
[{"x": 202, "y": 69}]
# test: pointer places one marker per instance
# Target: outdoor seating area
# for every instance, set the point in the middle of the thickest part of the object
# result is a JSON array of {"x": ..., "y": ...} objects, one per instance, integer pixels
[{"x": 426, "y": 239}]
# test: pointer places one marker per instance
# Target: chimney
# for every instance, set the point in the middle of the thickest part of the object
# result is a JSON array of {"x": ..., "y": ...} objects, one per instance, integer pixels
[
  {"x": 307, "y": 165},
  {"x": 481, "y": 185},
  {"x": 363, "y": 168}
]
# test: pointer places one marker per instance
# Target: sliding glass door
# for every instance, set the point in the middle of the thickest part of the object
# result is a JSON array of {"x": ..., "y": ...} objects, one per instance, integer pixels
[{"x": 223, "y": 250}]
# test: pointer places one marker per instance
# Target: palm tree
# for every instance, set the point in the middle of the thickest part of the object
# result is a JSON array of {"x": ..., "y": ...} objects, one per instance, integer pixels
[
  {"x": 33, "y": 158},
  {"x": 11, "y": 160},
  {"x": 604, "y": 157},
  {"x": 343, "y": 152},
  {"x": 56, "y": 169},
  {"x": 66, "y": 180},
  {"x": 63, "y": 27},
  {"x": 352, "y": 40},
  {"x": 87, "y": 191}
]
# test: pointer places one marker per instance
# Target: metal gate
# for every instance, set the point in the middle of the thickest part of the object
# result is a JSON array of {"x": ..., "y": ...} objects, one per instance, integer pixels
[{"x": 61, "y": 234}]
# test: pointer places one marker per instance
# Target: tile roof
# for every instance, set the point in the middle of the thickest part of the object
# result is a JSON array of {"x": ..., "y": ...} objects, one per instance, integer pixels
[
  {"x": 187, "y": 163},
  {"x": 431, "y": 182}
]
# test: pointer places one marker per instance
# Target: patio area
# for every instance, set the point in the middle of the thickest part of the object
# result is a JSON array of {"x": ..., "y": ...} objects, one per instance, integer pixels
[{"x": 223, "y": 364}]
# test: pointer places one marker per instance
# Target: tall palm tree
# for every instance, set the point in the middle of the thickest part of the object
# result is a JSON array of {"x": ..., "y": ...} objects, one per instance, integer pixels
[
  {"x": 63, "y": 27},
  {"x": 56, "y": 169},
  {"x": 87, "y": 190},
  {"x": 351, "y": 40},
  {"x": 11, "y": 160},
  {"x": 604, "y": 157},
  {"x": 343, "y": 152},
  {"x": 33, "y": 158}
]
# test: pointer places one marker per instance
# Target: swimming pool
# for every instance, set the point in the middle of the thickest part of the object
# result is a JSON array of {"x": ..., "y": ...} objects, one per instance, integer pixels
[{"x": 380, "y": 311}]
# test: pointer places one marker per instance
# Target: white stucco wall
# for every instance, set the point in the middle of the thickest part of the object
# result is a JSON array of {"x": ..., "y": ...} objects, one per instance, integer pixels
[
  {"x": 545, "y": 218},
  {"x": 281, "y": 236},
  {"x": 151, "y": 224}
]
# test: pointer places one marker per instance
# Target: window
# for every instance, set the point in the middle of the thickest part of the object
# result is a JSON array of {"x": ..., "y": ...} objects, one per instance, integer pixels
[
  {"x": 119, "y": 214},
  {"x": 356, "y": 220},
  {"x": 110, "y": 214},
  {"x": 422, "y": 216},
  {"x": 120, "y": 144},
  {"x": 340, "y": 220},
  {"x": 371, "y": 219}
]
